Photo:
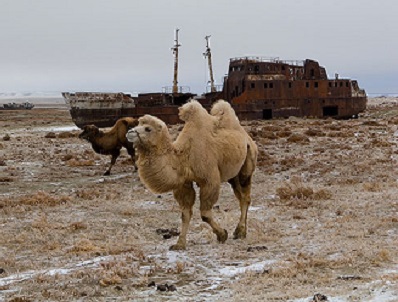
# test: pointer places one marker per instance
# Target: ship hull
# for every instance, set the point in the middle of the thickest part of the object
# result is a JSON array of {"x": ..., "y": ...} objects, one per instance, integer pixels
[
  {"x": 103, "y": 117},
  {"x": 342, "y": 108},
  {"x": 338, "y": 108},
  {"x": 104, "y": 109}
]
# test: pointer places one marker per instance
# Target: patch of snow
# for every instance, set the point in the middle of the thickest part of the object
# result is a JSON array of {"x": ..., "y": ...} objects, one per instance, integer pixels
[
  {"x": 62, "y": 271},
  {"x": 251, "y": 208},
  {"x": 57, "y": 129},
  {"x": 255, "y": 267}
]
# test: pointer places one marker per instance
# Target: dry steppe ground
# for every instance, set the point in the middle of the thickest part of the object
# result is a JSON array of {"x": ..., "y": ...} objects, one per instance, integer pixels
[{"x": 323, "y": 220}]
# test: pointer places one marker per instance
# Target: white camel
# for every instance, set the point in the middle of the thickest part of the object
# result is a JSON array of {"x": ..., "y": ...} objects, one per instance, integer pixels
[{"x": 211, "y": 149}]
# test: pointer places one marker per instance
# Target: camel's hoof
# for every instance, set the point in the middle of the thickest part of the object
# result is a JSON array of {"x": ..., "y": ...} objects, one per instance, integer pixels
[
  {"x": 240, "y": 233},
  {"x": 222, "y": 237},
  {"x": 177, "y": 247}
]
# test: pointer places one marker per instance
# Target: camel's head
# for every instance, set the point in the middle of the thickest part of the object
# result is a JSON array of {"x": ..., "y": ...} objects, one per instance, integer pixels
[
  {"x": 191, "y": 110},
  {"x": 89, "y": 131},
  {"x": 150, "y": 132}
]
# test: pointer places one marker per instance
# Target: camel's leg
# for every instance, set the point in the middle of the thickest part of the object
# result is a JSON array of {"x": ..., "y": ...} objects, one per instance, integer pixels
[
  {"x": 113, "y": 161},
  {"x": 186, "y": 199},
  {"x": 242, "y": 187},
  {"x": 131, "y": 152},
  {"x": 208, "y": 197}
]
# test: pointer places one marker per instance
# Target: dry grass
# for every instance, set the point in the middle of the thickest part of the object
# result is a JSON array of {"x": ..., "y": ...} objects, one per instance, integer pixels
[
  {"x": 298, "y": 138},
  {"x": 296, "y": 189},
  {"x": 322, "y": 218},
  {"x": 80, "y": 162},
  {"x": 40, "y": 198}
]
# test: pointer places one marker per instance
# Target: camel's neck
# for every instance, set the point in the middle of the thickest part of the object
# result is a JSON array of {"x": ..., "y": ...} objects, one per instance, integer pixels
[{"x": 160, "y": 168}]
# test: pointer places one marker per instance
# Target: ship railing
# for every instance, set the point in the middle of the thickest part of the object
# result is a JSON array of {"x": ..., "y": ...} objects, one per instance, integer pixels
[
  {"x": 269, "y": 60},
  {"x": 217, "y": 88},
  {"x": 180, "y": 89}
]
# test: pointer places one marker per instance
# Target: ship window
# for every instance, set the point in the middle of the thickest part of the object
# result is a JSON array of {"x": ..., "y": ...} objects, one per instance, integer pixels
[
  {"x": 256, "y": 68},
  {"x": 341, "y": 84},
  {"x": 283, "y": 67},
  {"x": 346, "y": 84},
  {"x": 252, "y": 85},
  {"x": 290, "y": 84},
  {"x": 335, "y": 84},
  {"x": 307, "y": 84},
  {"x": 316, "y": 84},
  {"x": 265, "y": 85},
  {"x": 271, "y": 85},
  {"x": 330, "y": 84}
]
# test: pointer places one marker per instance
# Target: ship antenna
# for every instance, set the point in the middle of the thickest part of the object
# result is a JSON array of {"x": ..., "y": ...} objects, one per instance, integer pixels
[
  {"x": 175, "y": 52},
  {"x": 207, "y": 55}
]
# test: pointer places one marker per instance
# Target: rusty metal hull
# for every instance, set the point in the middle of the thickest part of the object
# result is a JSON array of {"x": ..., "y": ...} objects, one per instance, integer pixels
[
  {"x": 257, "y": 88},
  {"x": 104, "y": 109},
  {"x": 338, "y": 108},
  {"x": 261, "y": 88}
]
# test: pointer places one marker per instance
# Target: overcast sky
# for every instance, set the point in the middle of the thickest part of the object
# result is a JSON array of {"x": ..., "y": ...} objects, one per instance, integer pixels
[{"x": 124, "y": 45}]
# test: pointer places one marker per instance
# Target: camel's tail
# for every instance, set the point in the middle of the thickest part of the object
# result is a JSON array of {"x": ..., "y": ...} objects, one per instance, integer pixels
[{"x": 251, "y": 159}]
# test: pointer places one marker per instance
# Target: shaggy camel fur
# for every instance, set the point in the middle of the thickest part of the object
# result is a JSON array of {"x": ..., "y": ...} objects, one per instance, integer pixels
[
  {"x": 112, "y": 141},
  {"x": 210, "y": 150}
]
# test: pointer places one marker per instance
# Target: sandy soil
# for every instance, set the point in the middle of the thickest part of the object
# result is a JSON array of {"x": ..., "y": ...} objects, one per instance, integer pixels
[{"x": 323, "y": 220}]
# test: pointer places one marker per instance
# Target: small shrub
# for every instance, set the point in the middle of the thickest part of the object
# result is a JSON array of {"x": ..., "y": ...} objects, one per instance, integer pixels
[
  {"x": 43, "y": 198},
  {"x": 372, "y": 187},
  {"x": 314, "y": 132},
  {"x": 298, "y": 138},
  {"x": 80, "y": 163},
  {"x": 298, "y": 191},
  {"x": 85, "y": 246},
  {"x": 50, "y": 135},
  {"x": 6, "y": 179}
]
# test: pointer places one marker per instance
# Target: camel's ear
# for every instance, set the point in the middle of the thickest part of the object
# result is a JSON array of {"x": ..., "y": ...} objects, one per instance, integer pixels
[
  {"x": 130, "y": 124},
  {"x": 126, "y": 123},
  {"x": 133, "y": 123}
]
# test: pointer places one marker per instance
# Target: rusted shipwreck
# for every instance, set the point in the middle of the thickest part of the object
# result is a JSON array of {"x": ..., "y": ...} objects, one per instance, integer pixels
[
  {"x": 104, "y": 109},
  {"x": 266, "y": 88},
  {"x": 17, "y": 106},
  {"x": 257, "y": 88}
]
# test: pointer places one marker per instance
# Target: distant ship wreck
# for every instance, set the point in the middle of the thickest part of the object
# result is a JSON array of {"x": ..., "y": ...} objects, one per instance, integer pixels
[
  {"x": 256, "y": 87},
  {"x": 17, "y": 106}
]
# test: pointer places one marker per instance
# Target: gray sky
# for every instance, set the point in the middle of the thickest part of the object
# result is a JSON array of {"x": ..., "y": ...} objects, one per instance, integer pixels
[{"x": 124, "y": 45}]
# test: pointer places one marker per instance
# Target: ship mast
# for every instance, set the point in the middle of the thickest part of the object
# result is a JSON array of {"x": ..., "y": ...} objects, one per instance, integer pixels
[
  {"x": 207, "y": 55},
  {"x": 175, "y": 52}
]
